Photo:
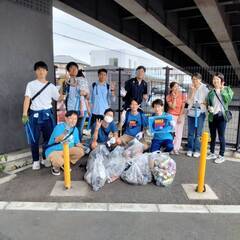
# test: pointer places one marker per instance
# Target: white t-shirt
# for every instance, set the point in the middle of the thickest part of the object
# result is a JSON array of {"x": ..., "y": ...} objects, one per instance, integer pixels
[
  {"x": 200, "y": 97},
  {"x": 217, "y": 106},
  {"x": 44, "y": 100}
]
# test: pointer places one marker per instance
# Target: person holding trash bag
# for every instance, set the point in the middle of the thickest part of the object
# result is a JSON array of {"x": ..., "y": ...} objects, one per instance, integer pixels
[
  {"x": 218, "y": 115},
  {"x": 37, "y": 110},
  {"x": 134, "y": 124},
  {"x": 102, "y": 129},
  {"x": 196, "y": 104},
  {"x": 66, "y": 131}
]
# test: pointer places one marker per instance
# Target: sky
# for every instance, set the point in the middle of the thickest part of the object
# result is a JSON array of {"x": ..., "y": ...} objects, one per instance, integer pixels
[{"x": 77, "y": 38}]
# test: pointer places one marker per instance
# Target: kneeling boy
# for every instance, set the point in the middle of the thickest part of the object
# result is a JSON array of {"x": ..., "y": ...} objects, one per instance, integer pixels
[
  {"x": 134, "y": 124},
  {"x": 102, "y": 128},
  {"x": 162, "y": 139}
]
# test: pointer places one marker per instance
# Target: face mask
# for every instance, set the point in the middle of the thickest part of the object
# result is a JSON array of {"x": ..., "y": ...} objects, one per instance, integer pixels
[{"x": 108, "y": 119}]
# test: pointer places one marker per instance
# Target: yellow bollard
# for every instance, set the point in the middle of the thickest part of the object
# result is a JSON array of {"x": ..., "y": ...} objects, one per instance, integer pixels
[
  {"x": 202, "y": 163},
  {"x": 67, "y": 173}
]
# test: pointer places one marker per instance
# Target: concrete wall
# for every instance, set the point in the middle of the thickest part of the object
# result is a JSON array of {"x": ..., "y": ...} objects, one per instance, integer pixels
[{"x": 25, "y": 37}]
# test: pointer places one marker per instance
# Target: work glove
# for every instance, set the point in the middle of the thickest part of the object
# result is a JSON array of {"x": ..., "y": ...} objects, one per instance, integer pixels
[
  {"x": 123, "y": 92},
  {"x": 25, "y": 119},
  {"x": 111, "y": 141},
  {"x": 139, "y": 136}
]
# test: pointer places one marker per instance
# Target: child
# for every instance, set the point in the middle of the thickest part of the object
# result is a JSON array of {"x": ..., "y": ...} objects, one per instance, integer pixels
[
  {"x": 134, "y": 124},
  {"x": 102, "y": 128},
  {"x": 102, "y": 94},
  {"x": 64, "y": 131},
  {"x": 165, "y": 139},
  {"x": 77, "y": 94},
  {"x": 37, "y": 109}
]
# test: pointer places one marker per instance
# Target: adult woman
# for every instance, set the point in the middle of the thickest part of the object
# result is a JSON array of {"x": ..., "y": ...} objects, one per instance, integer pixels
[
  {"x": 218, "y": 100},
  {"x": 196, "y": 114},
  {"x": 176, "y": 102}
]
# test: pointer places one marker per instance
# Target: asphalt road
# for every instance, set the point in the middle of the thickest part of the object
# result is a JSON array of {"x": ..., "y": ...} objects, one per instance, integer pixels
[{"x": 29, "y": 225}]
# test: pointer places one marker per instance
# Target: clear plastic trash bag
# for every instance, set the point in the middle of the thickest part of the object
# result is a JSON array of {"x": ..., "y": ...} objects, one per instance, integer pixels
[
  {"x": 163, "y": 168},
  {"x": 137, "y": 171},
  {"x": 133, "y": 149},
  {"x": 96, "y": 173},
  {"x": 115, "y": 165}
]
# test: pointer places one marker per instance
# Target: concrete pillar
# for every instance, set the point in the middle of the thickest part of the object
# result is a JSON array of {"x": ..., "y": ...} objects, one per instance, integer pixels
[{"x": 25, "y": 37}]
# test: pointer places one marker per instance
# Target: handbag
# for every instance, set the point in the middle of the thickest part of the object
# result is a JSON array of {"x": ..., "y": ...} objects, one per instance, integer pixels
[{"x": 228, "y": 113}]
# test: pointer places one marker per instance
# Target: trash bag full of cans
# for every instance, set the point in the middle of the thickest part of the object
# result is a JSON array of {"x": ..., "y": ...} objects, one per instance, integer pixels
[{"x": 163, "y": 168}]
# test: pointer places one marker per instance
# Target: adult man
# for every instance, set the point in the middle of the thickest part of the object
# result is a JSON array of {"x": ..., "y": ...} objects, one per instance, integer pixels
[{"x": 135, "y": 88}]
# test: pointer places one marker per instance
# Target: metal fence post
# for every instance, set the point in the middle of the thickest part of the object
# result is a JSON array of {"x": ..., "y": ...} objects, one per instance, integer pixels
[
  {"x": 167, "y": 73},
  {"x": 238, "y": 132},
  {"x": 119, "y": 93}
]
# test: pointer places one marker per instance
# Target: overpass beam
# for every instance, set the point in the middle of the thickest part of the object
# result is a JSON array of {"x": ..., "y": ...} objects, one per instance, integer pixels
[
  {"x": 219, "y": 25},
  {"x": 159, "y": 26}
]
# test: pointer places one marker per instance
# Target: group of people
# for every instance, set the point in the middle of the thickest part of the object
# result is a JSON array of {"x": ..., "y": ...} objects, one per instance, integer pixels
[{"x": 94, "y": 101}]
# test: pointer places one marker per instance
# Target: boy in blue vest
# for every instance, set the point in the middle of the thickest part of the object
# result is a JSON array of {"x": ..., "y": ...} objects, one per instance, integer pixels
[
  {"x": 162, "y": 139},
  {"x": 37, "y": 109},
  {"x": 134, "y": 124}
]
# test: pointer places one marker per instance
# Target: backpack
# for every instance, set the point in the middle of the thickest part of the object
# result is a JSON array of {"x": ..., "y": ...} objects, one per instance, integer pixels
[{"x": 95, "y": 84}]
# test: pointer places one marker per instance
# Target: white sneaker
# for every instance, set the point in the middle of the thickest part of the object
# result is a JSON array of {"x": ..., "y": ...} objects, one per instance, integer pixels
[
  {"x": 36, "y": 165},
  {"x": 176, "y": 152},
  {"x": 196, "y": 154},
  {"x": 211, "y": 156},
  {"x": 220, "y": 159},
  {"x": 46, "y": 163},
  {"x": 189, "y": 153}
]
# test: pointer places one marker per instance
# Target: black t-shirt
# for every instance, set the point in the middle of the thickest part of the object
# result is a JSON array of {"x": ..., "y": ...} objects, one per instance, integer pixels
[{"x": 134, "y": 90}]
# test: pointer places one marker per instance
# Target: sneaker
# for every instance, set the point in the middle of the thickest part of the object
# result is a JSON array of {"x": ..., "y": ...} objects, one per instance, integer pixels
[
  {"x": 87, "y": 150},
  {"x": 36, "y": 165},
  {"x": 196, "y": 154},
  {"x": 211, "y": 156},
  {"x": 55, "y": 171},
  {"x": 220, "y": 159},
  {"x": 46, "y": 163},
  {"x": 189, "y": 153},
  {"x": 176, "y": 152}
]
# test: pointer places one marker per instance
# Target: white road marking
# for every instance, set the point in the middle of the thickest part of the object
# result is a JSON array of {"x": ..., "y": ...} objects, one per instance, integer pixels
[{"x": 119, "y": 207}]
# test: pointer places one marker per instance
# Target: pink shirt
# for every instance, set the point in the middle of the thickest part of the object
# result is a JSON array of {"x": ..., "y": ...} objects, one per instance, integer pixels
[{"x": 180, "y": 101}]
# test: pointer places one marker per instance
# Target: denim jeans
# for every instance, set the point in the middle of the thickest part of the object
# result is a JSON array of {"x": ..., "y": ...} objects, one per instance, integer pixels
[
  {"x": 45, "y": 127},
  {"x": 80, "y": 124},
  {"x": 217, "y": 125},
  {"x": 194, "y": 134}
]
